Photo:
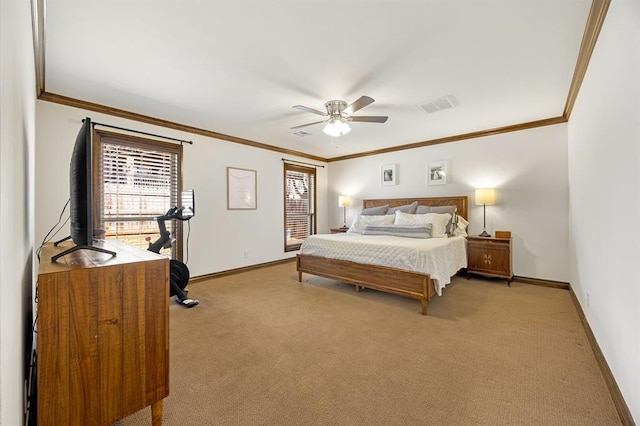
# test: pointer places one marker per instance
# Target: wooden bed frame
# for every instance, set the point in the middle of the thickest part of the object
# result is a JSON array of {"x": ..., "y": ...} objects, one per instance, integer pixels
[{"x": 416, "y": 285}]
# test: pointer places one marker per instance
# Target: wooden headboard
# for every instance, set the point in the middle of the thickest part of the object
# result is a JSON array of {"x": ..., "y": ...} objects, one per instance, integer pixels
[{"x": 461, "y": 202}]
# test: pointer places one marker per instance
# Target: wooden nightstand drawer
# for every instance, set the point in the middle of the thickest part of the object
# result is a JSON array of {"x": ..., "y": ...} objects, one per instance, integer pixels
[{"x": 490, "y": 256}]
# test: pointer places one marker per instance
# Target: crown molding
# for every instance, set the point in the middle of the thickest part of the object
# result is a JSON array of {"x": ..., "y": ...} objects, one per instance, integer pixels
[
  {"x": 116, "y": 112},
  {"x": 448, "y": 139},
  {"x": 589, "y": 38},
  {"x": 37, "y": 27}
]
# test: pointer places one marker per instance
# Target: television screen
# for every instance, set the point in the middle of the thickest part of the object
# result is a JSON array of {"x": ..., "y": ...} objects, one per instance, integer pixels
[
  {"x": 81, "y": 193},
  {"x": 81, "y": 187}
]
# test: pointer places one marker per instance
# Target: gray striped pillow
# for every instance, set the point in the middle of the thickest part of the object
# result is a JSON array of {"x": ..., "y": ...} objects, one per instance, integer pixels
[{"x": 410, "y": 231}]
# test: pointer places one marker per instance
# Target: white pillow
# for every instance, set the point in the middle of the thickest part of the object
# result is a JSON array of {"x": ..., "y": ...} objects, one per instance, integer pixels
[
  {"x": 361, "y": 221},
  {"x": 438, "y": 221},
  {"x": 461, "y": 227}
]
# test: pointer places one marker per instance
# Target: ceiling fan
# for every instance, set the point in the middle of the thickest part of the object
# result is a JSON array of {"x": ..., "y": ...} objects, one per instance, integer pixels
[{"x": 338, "y": 114}]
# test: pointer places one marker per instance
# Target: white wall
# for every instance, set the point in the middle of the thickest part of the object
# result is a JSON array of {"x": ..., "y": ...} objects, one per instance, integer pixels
[
  {"x": 17, "y": 143},
  {"x": 604, "y": 179},
  {"x": 219, "y": 237},
  {"x": 528, "y": 169}
]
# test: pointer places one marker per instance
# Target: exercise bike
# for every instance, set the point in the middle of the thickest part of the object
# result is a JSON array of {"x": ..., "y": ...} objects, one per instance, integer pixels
[{"x": 179, "y": 273}]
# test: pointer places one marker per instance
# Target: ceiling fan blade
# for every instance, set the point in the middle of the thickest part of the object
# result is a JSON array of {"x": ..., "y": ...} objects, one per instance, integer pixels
[
  {"x": 308, "y": 124},
  {"x": 307, "y": 109},
  {"x": 369, "y": 118},
  {"x": 362, "y": 102}
]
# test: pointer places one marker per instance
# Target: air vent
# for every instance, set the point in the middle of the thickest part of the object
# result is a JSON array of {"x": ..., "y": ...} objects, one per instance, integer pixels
[
  {"x": 440, "y": 104},
  {"x": 302, "y": 133}
]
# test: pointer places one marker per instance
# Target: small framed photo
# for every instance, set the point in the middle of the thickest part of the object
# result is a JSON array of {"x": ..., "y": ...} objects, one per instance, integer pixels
[
  {"x": 241, "y": 189},
  {"x": 437, "y": 173},
  {"x": 389, "y": 175}
]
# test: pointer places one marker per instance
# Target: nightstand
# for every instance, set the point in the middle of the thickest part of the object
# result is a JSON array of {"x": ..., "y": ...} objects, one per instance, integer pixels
[
  {"x": 489, "y": 256},
  {"x": 339, "y": 230}
]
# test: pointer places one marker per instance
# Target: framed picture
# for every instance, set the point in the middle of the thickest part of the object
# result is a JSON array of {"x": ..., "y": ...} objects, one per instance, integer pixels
[
  {"x": 389, "y": 174},
  {"x": 437, "y": 173},
  {"x": 241, "y": 189}
]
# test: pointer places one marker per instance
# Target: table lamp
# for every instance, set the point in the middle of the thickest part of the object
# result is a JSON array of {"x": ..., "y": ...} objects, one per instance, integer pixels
[
  {"x": 485, "y": 197},
  {"x": 344, "y": 201}
]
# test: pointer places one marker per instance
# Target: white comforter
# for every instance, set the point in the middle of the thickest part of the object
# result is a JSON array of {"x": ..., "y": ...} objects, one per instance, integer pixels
[{"x": 439, "y": 257}]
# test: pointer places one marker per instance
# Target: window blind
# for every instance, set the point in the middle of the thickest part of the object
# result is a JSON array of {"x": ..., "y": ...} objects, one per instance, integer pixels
[
  {"x": 138, "y": 181},
  {"x": 300, "y": 205}
]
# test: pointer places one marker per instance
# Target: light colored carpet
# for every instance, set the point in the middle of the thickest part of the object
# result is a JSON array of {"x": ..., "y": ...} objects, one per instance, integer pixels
[{"x": 263, "y": 349}]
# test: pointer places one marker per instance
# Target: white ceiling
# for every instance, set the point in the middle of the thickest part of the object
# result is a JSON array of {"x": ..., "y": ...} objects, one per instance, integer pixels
[{"x": 237, "y": 67}]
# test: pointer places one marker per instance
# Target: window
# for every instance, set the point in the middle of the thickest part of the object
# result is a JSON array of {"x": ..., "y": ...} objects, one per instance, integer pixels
[
  {"x": 138, "y": 180},
  {"x": 299, "y": 205}
]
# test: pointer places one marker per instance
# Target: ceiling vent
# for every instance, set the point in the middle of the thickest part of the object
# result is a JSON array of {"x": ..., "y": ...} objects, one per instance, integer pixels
[
  {"x": 440, "y": 104},
  {"x": 302, "y": 133}
]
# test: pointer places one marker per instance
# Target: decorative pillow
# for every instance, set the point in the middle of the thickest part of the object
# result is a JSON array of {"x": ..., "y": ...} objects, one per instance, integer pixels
[
  {"x": 438, "y": 221},
  {"x": 461, "y": 227},
  {"x": 410, "y": 231},
  {"x": 408, "y": 208},
  {"x": 359, "y": 222},
  {"x": 452, "y": 210},
  {"x": 375, "y": 211}
]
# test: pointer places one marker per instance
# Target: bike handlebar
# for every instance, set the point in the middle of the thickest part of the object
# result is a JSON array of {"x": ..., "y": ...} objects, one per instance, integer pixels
[{"x": 174, "y": 213}]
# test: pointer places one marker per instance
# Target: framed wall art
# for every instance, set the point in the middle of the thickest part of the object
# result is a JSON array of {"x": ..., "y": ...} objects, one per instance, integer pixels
[
  {"x": 437, "y": 173},
  {"x": 241, "y": 189},
  {"x": 389, "y": 175}
]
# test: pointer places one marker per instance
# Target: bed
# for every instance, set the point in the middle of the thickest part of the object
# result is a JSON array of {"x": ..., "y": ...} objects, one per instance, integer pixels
[{"x": 397, "y": 279}]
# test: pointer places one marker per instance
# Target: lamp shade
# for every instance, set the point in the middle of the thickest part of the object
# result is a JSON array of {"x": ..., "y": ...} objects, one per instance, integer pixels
[
  {"x": 486, "y": 196},
  {"x": 344, "y": 201}
]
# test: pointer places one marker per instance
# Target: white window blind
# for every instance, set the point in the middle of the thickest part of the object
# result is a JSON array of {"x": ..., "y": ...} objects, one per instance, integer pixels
[
  {"x": 300, "y": 205},
  {"x": 138, "y": 181}
]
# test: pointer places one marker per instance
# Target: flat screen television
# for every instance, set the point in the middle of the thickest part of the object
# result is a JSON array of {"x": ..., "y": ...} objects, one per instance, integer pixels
[{"x": 81, "y": 194}]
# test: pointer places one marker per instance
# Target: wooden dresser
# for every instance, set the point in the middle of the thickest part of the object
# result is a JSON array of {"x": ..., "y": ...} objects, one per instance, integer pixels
[{"x": 103, "y": 335}]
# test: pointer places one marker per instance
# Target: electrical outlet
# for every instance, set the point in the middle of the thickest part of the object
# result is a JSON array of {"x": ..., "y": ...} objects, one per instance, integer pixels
[
  {"x": 246, "y": 254},
  {"x": 588, "y": 299}
]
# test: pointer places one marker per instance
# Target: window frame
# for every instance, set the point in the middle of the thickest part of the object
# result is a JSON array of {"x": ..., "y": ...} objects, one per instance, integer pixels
[
  {"x": 310, "y": 171},
  {"x": 101, "y": 137}
]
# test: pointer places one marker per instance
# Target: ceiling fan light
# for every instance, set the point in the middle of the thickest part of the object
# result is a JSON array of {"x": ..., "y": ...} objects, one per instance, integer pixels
[{"x": 336, "y": 128}]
